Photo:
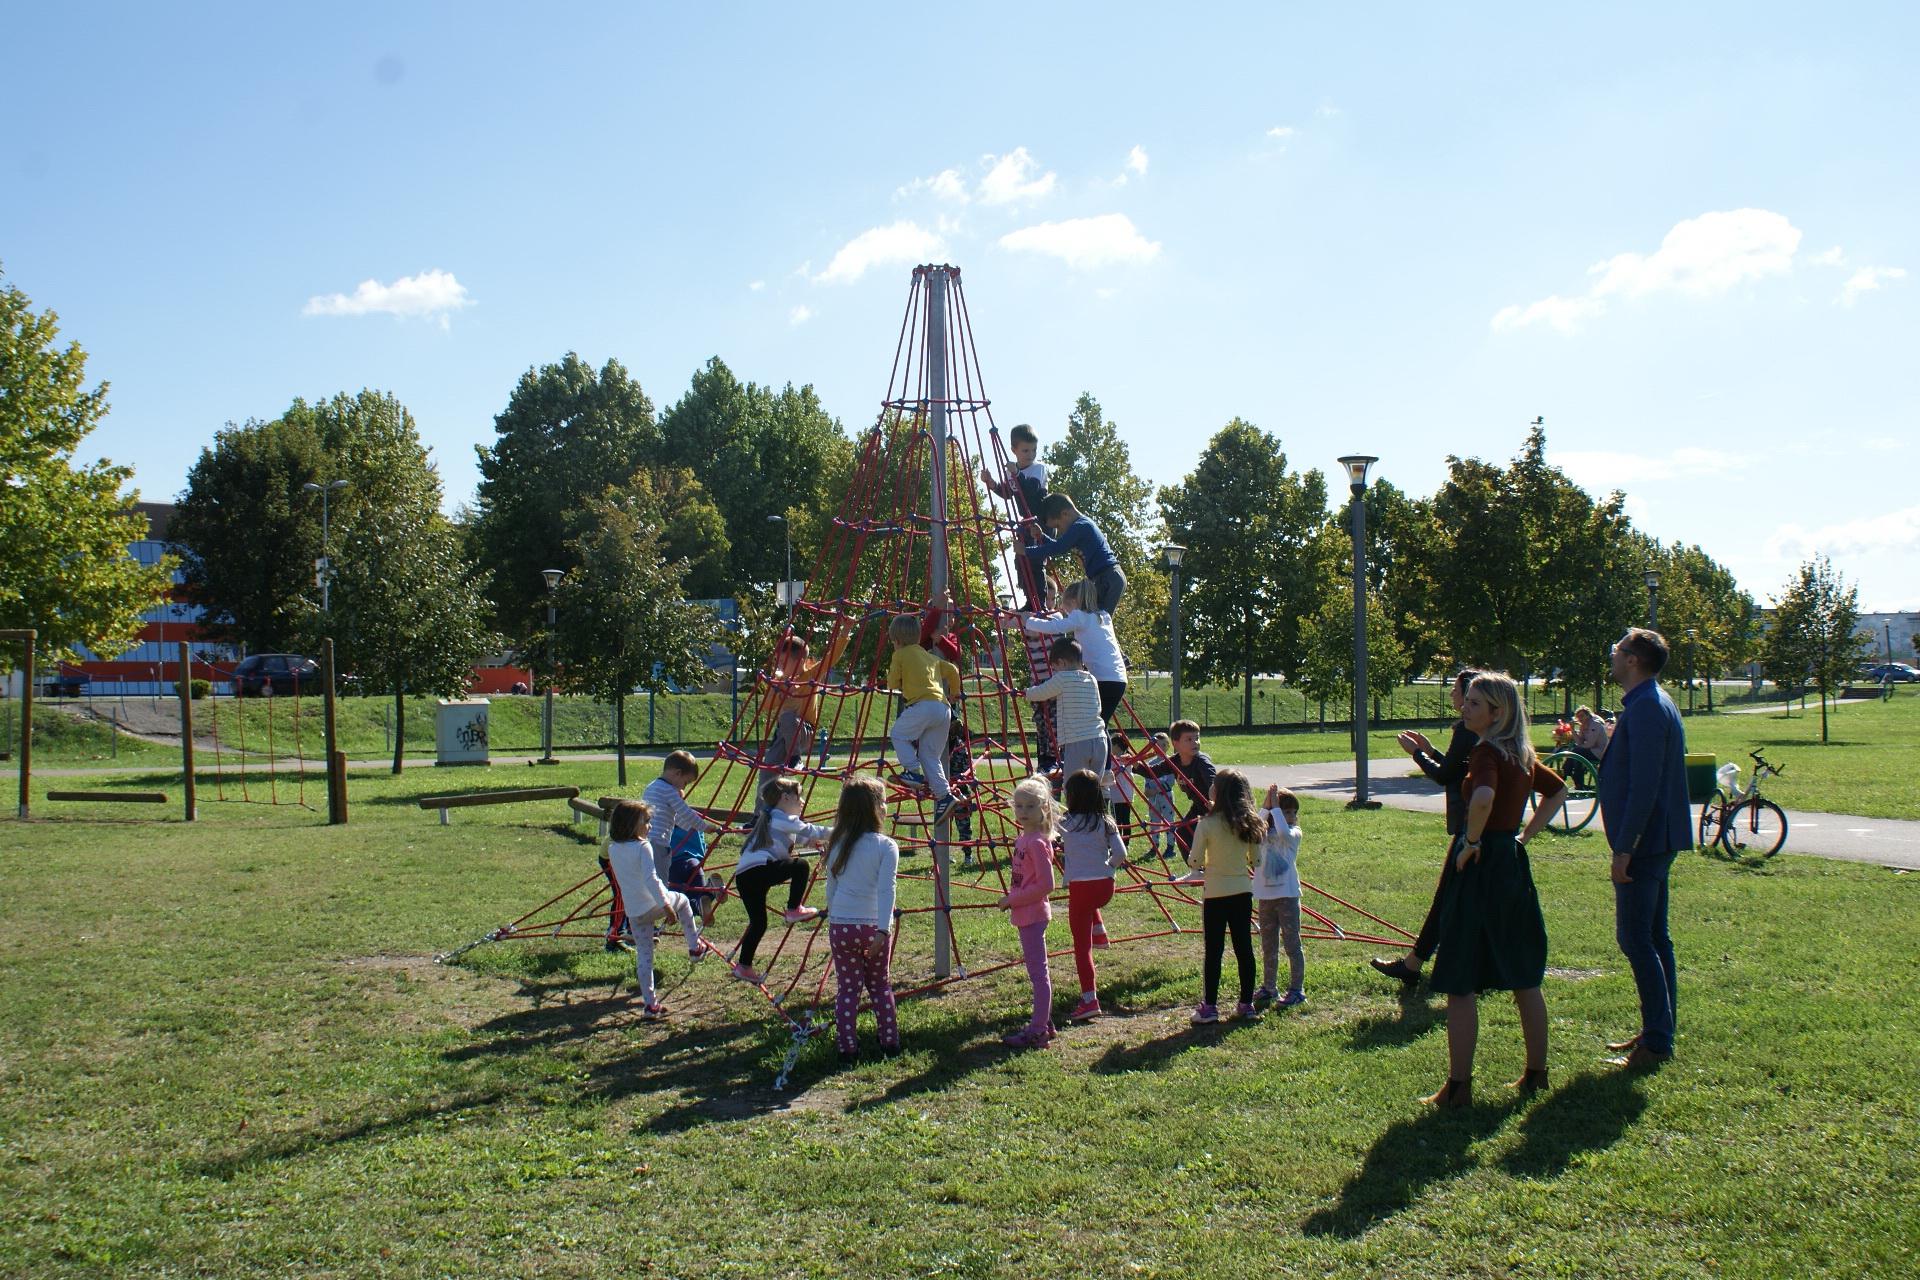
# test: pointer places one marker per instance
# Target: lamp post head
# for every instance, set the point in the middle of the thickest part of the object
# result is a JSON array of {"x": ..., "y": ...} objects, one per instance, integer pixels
[
  {"x": 776, "y": 519},
  {"x": 309, "y": 487},
  {"x": 338, "y": 485},
  {"x": 1653, "y": 579},
  {"x": 1174, "y": 553},
  {"x": 1356, "y": 465},
  {"x": 553, "y": 577}
]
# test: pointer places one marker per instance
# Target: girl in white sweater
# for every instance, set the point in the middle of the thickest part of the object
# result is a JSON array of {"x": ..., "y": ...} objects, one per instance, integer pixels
[
  {"x": 861, "y": 866},
  {"x": 767, "y": 860},
  {"x": 646, "y": 898},
  {"x": 1085, "y": 622}
]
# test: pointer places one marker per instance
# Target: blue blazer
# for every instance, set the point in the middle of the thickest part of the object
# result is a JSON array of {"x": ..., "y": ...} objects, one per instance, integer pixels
[{"x": 1643, "y": 777}]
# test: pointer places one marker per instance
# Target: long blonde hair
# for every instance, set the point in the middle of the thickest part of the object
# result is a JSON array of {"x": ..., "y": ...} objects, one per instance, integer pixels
[
  {"x": 1036, "y": 791},
  {"x": 1508, "y": 733},
  {"x": 859, "y": 815}
]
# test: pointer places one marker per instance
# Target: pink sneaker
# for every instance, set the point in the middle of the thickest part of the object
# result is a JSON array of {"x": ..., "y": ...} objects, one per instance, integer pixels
[
  {"x": 1205, "y": 1014},
  {"x": 653, "y": 1012},
  {"x": 1245, "y": 1011},
  {"x": 799, "y": 914},
  {"x": 746, "y": 974},
  {"x": 1086, "y": 1011}
]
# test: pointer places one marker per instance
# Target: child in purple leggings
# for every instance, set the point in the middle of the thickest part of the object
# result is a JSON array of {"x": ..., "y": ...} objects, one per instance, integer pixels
[
  {"x": 861, "y": 866},
  {"x": 1032, "y": 880}
]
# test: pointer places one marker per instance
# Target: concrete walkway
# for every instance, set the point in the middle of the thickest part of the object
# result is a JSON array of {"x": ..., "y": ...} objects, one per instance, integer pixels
[{"x": 1886, "y": 842}]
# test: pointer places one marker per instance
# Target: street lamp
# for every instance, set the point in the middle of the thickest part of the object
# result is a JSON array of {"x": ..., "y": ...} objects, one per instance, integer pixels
[
  {"x": 1653, "y": 599},
  {"x": 1174, "y": 554},
  {"x": 553, "y": 577},
  {"x": 786, "y": 586},
  {"x": 1356, "y": 465},
  {"x": 323, "y": 567},
  {"x": 1693, "y": 641}
]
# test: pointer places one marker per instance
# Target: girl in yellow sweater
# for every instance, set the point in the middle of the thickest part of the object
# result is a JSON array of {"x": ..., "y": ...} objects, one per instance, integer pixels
[{"x": 1226, "y": 849}]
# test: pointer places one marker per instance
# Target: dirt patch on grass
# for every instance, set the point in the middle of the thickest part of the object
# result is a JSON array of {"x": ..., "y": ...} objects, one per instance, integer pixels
[{"x": 424, "y": 995}]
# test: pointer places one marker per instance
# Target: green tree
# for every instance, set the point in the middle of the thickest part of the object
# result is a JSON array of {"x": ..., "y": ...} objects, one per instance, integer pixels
[
  {"x": 1401, "y": 542},
  {"x": 1259, "y": 551},
  {"x": 1813, "y": 637},
  {"x": 408, "y": 613},
  {"x": 1704, "y": 613},
  {"x": 622, "y": 619},
  {"x": 569, "y": 432},
  {"x": 760, "y": 453},
  {"x": 251, "y": 528},
  {"x": 64, "y": 528},
  {"x": 1326, "y": 662}
]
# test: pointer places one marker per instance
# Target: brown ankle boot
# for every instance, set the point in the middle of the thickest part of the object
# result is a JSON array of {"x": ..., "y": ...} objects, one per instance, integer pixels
[
  {"x": 1532, "y": 1080},
  {"x": 1455, "y": 1093}
]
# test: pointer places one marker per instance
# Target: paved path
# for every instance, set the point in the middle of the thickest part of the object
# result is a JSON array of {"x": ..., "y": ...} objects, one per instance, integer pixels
[{"x": 1886, "y": 842}]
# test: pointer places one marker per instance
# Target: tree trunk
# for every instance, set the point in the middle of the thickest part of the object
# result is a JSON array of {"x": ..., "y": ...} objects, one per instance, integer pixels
[
  {"x": 620, "y": 733},
  {"x": 1823, "y": 715},
  {"x": 399, "y": 725},
  {"x": 1246, "y": 698}
]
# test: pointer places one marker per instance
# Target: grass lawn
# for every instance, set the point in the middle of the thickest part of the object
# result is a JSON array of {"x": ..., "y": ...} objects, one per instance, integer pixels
[{"x": 224, "y": 1050}]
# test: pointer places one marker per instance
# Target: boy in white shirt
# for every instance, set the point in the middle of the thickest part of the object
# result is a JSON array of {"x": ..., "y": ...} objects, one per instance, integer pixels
[
  {"x": 1076, "y": 697},
  {"x": 678, "y": 833},
  {"x": 1276, "y": 892}
]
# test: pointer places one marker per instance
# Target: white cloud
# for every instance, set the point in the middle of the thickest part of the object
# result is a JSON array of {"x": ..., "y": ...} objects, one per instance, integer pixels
[
  {"x": 431, "y": 293},
  {"x": 1137, "y": 161},
  {"x": 1106, "y": 294},
  {"x": 879, "y": 247},
  {"x": 1605, "y": 470},
  {"x": 1012, "y": 177},
  {"x": 757, "y": 285},
  {"x": 1829, "y": 258},
  {"x": 1868, "y": 280},
  {"x": 1282, "y": 132},
  {"x": 947, "y": 184},
  {"x": 1562, "y": 314},
  {"x": 1085, "y": 243},
  {"x": 800, "y": 315},
  {"x": 1895, "y": 531},
  {"x": 1699, "y": 257}
]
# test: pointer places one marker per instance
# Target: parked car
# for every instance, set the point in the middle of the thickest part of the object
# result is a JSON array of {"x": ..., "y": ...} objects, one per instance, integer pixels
[
  {"x": 68, "y": 683},
  {"x": 274, "y": 673},
  {"x": 1893, "y": 673}
]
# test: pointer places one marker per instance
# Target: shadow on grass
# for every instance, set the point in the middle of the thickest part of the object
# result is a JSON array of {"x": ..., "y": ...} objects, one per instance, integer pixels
[
  {"x": 288, "y": 1146},
  {"x": 1158, "y": 1053},
  {"x": 1404, "y": 1161},
  {"x": 1588, "y": 1113},
  {"x": 1417, "y": 1015}
]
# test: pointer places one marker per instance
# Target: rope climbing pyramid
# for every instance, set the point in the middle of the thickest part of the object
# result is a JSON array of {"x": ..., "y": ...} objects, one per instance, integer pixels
[{"x": 919, "y": 533}]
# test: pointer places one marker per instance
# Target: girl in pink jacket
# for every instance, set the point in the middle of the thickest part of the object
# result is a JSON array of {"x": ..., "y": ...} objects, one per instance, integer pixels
[{"x": 1032, "y": 881}]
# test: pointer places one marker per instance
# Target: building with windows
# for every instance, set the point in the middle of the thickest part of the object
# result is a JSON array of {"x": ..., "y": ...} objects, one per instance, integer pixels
[{"x": 153, "y": 664}]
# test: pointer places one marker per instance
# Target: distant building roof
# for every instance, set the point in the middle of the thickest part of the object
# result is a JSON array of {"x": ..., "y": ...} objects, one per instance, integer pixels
[{"x": 159, "y": 515}]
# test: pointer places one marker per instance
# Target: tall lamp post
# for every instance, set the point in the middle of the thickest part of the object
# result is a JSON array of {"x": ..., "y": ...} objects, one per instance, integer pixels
[
  {"x": 323, "y": 568},
  {"x": 1653, "y": 599},
  {"x": 1174, "y": 553},
  {"x": 1356, "y": 465},
  {"x": 553, "y": 577},
  {"x": 786, "y": 584},
  {"x": 1693, "y": 644}
]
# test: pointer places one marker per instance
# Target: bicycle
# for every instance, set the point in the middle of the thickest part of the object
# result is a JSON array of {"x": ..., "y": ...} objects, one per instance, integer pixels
[
  {"x": 1582, "y": 777},
  {"x": 1738, "y": 818}
]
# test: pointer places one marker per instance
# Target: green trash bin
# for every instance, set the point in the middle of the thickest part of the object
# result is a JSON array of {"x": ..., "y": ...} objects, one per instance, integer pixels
[{"x": 1701, "y": 782}]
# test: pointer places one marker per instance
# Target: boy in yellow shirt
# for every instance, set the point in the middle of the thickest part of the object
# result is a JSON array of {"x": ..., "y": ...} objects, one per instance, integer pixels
[{"x": 924, "y": 683}]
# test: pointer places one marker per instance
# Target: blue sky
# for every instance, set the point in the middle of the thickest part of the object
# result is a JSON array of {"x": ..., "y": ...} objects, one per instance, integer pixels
[{"x": 1684, "y": 235}]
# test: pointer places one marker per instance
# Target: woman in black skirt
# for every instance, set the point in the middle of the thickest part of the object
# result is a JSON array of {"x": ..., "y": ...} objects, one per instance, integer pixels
[{"x": 1491, "y": 934}]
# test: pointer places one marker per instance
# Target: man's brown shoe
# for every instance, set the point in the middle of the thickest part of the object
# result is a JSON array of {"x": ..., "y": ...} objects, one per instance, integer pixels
[
  {"x": 1641, "y": 1059},
  {"x": 1631, "y": 1043}
]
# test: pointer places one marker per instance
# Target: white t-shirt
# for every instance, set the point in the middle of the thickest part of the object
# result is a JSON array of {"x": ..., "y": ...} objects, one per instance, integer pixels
[
  {"x": 863, "y": 892},
  {"x": 641, "y": 889},
  {"x": 1278, "y": 875},
  {"x": 783, "y": 832},
  {"x": 1098, "y": 644}
]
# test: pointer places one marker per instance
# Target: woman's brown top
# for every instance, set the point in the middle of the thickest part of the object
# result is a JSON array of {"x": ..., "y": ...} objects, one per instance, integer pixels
[{"x": 1486, "y": 767}]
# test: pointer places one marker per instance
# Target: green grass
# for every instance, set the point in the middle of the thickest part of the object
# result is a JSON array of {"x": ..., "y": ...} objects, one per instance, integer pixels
[
  {"x": 61, "y": 740},
  {"x": 223, "y": 1051},
  {"x": 1868, "y": 765}
]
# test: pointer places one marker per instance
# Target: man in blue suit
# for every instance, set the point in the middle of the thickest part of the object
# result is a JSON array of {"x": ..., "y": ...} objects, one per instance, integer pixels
[{"x": 1643, "y": 801}]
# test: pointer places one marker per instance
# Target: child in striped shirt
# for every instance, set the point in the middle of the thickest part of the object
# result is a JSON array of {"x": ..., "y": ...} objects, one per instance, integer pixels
[
  {"x": 678, "y": 833},
  {"x": 1076, "y": 698}
]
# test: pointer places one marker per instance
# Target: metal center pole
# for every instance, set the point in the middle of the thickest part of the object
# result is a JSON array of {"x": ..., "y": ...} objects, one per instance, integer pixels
[
  {"x": 1360, "y": 717},
  {"x": 937, "y": 569}
]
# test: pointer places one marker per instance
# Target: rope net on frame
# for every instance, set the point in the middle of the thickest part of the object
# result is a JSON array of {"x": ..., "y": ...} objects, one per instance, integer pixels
[{"x": 881, "y": 556}]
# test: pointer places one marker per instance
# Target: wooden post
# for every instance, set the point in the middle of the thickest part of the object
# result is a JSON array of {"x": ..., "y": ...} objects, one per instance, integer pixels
[
  {"x": 29, "y": 638},
  {"x": 336, "y": 790},
  {"x": 185, "y": 688}
]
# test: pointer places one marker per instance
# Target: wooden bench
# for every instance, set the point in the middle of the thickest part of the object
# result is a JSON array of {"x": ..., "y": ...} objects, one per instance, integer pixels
[
  {"x": 471, "y": 799},
  {"x": 111, "y": 797}
]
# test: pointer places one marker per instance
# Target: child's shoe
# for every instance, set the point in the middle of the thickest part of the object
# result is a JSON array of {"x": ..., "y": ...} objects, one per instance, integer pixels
[
  {"x": 912, "y": 778},
  {"x": 1086, "y": 1011},
  {"x": 748, "y": 974},
  {"x": 800, "y": 915},
  {"x": 1027, "y": 1038},
  {"x": 940, "y": 808},
  {"x": 1205, "y": 1015},
  {"x": 655, "y": 1012},
  {"x": 1292, "y": 998},
  {"x": 1245, "y": 1011},
  {"x": 712, "y": 903},
  {"x": 1265, "y": 995}
]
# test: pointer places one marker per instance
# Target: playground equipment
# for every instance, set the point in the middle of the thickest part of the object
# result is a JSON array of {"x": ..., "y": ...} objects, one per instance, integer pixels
[
  {"x": 916, "y": 526},
  {"x": 471, "y": 799}
]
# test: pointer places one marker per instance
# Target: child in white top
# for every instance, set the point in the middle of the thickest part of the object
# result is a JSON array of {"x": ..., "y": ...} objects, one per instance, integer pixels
[
  {"x": 645, "y": 897},
  {"x": 1276, "y": 892},
  {"x": 767, "y": 860},
  {"x": 1083, "y": 739},
  {"x": 1091, "y": 850},
  {"x": 861, "y": 868},
  {"x": 678, "y": 833},
  {"x": 1122, "y": 786},
  {"x": 1099, "y": 645}
]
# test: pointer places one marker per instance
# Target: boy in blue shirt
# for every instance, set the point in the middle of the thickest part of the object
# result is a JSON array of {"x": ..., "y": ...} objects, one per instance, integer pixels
[{"x": 1074, "y": 532}]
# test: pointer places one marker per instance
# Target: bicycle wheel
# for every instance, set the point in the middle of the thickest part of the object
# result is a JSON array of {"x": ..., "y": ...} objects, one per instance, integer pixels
[
  {"x": 1756, "y": 826},
  {"x": 1713, "y": 819},
  {"x": 1583, "y": 791}
]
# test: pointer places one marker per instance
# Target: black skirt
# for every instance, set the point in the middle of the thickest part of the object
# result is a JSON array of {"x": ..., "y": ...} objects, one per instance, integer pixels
[{"x": 1492, "y": 936}]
